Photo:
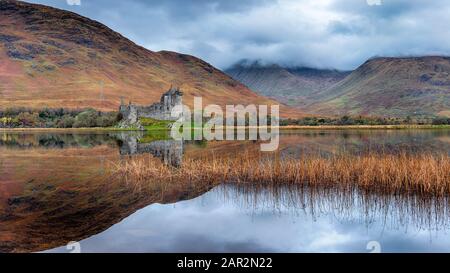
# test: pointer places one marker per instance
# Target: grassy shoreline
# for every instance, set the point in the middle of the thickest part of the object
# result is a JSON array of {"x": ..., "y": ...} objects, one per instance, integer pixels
[{"x": 290, "y": 127}]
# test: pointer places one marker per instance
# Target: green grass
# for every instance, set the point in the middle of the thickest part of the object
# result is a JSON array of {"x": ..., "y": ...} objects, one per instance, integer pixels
[{"x": 153, "y": 124}]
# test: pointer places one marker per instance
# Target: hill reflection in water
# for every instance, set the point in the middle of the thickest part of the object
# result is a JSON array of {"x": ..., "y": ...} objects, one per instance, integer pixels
[
  {"x": 237, "y": 218},
  {"x": 56, "y": 188}
]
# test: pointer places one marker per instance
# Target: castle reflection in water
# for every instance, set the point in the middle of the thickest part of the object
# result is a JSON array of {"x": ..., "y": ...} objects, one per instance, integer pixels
[
  {"x": 169, "y": 151},
  {"x": 128, "y": 143}
]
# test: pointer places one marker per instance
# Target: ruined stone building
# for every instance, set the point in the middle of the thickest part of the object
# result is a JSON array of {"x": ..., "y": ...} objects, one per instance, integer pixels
[{"x": 161, "y": 111}]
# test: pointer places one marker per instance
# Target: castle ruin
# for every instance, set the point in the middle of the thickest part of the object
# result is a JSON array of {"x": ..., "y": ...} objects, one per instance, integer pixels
[{"x": 162, "y": 110}]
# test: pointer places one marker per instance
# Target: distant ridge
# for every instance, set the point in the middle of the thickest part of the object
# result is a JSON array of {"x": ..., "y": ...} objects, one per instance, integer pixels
[
  {"x": 383, "y": 87},
  {"x": 295, "y": 86},
  {"x": 395, "y": 87}
]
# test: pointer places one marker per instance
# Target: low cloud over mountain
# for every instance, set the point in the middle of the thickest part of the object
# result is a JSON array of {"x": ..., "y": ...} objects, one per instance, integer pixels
[{"x": 340, "y": 34}]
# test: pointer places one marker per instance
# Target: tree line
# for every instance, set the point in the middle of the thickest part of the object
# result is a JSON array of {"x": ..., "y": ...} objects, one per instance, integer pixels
[
  {"x": 360, "y": 120},
  {"x": 89, "y": 118},
  {"x": 56, "y": 118}
]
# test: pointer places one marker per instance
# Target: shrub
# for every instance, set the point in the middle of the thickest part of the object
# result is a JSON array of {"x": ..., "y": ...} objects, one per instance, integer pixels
[
  {"x": 56, "y": 118},
  {"x": 27, "y": 119},
  {"x": 441, "y": 121},
  {"x": 67, "y": 121},
  {"x": 86, "y": 119},
  {"x": 107, "y": 119},
  {"x": 6, "y": 121}
]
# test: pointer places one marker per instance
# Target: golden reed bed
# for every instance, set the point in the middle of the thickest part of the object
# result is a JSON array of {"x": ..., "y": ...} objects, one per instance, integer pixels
[{"x": 401, "y": 173}]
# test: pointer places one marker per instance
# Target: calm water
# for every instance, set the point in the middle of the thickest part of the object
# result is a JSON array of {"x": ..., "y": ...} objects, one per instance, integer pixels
[
  {"x": 55, "y": 188},
  {"x": 228, "y": 220}
]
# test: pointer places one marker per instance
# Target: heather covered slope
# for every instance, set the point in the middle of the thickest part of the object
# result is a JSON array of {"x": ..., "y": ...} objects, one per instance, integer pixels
[
  {"x": 382, "y": 87},
  {"x": 296, "y": 86},
  {"x": 395, "y": 87},
  {"x": 55, "y": 58}
]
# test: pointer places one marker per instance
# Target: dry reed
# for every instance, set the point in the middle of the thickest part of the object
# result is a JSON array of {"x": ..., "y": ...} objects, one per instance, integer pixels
[{"x": 427, "y": 174}]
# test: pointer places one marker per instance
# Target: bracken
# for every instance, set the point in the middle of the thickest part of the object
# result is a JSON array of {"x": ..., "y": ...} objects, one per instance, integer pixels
[{"x": 427, "y": 174}]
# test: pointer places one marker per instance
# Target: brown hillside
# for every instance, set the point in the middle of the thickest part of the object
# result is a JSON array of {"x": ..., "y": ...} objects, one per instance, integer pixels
[
  {"x": 55, "y": 58},
  {"x": 393, "y": 87}
]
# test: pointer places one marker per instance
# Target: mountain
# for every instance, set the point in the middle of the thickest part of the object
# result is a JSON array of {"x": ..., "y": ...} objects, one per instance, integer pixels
[
  {"x": 394, "y": 87},
  {"x": 296, "y": 86},
  {"x": 55, "y": 58},
  {"x": 385, "y": 87}
]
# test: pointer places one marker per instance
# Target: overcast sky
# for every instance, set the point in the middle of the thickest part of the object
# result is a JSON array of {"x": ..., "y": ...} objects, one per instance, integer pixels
[{"x": 319, "y": 33}]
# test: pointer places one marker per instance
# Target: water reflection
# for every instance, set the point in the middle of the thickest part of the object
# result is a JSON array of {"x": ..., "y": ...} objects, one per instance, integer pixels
[
  {"x": 55, "y": 140},
  {"x": 169, "y": 151},
  {"x": 56, "y": 188},
  {"x": 128, "y": 143},
  {"x": 294, "y": 143},
  {"x": 234, "y": 218},
  {"x": 358, "y": 142}
]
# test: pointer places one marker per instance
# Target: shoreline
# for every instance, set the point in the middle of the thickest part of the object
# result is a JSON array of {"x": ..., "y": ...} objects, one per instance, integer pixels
[
  {"x": 290, "y": 127},
  {"x": 6, "y": 130},
  {"x": 367, "y": 127}
]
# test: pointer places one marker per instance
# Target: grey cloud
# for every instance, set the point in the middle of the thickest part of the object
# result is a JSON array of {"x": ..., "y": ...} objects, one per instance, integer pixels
[
  {"x": 341, "y": 34},
  {"x": 348, "y": 28},
  {"x": 388, "y": 9}
]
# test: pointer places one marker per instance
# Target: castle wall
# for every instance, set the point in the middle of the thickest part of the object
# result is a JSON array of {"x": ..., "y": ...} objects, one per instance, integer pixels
[{"x": 160, "y": 111}]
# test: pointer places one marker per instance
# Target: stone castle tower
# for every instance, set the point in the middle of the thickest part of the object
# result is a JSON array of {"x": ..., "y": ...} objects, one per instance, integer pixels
[{"x": 160, "y": 111}]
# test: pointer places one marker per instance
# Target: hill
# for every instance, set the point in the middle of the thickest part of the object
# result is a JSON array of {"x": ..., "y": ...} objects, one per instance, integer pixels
[
  {"x": 395, "y": 87},
  {"x": 55, "y": 58},
  {"x": 295, "y": 86},
  {"x": 384, "y": 87}
]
